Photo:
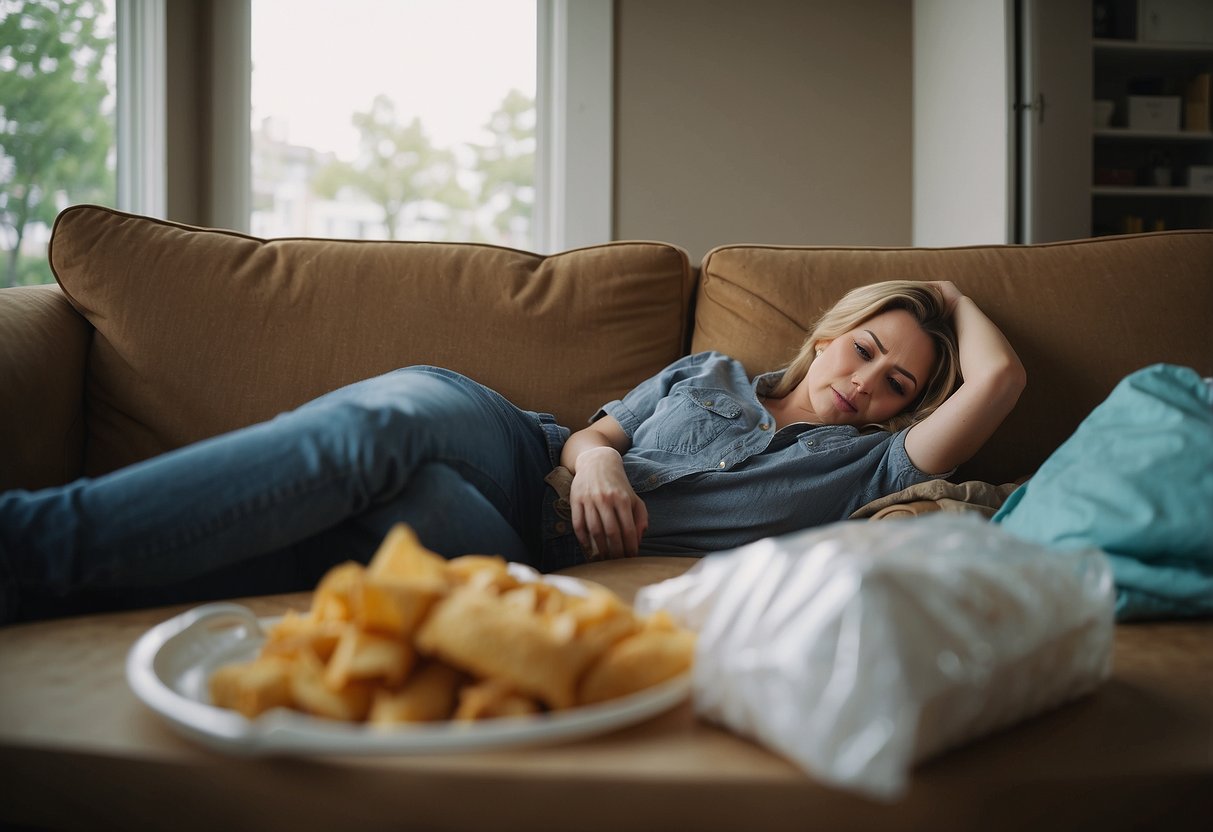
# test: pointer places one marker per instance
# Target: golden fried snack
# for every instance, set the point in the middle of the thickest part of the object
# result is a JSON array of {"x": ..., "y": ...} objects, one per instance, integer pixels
[
  {"x": 427, "y": 696},
  {"x": 641, "y": 660},
  {"x": 598, "y": 620},
  {"x": 334, "y": 598},
  {"x": 311, "y": 693},
  {"x": 253, "y": 687},
  {"x": 491, "y": 699},
  {"x": 493, "y": 637},
  {"x": 365, "y": 656},
  {"x": 490, "y": 644},
  {"x": 401, "y": 558},
  {"x": 400, "y": 583},
  {"x": 296, "y": 634},
  {"x": 489, "y": 572},
  {"x": 393, "y": 608}
]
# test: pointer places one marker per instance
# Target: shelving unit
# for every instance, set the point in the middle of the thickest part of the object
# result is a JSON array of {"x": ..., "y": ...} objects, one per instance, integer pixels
[{"x": 1139, "y": 177}]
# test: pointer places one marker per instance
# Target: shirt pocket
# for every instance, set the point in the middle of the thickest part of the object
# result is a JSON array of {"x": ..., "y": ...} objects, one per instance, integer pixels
[{"x": 692, "y": 419}]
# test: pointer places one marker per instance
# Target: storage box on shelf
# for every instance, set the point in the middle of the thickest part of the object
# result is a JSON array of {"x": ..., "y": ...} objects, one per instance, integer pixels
[
  {"x": 1200, "y": 178},
  {"x": 1171, "y": 21},
  {"x": 1154, "y": 112}
]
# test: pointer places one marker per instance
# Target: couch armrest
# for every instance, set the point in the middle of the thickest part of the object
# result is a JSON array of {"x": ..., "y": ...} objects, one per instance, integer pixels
[{"x": 43, "y": 348}]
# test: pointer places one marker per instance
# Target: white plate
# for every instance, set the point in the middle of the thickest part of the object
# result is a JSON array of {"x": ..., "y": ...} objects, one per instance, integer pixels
[{"x": 170, "y": 665}]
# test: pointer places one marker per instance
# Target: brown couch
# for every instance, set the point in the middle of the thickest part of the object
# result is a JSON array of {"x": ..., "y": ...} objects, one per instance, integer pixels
[{"x": 159, "y": 334}]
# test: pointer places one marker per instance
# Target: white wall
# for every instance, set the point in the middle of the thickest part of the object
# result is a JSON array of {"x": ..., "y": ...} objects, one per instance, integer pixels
[
  {"x": 765, "y": 121},
  {"x": 962, "y": 122}
]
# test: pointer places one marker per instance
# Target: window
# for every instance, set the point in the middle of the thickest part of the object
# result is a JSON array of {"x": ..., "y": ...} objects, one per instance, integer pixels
[
  {"x": 57, "y": 101},
  {"x": 68, "y": 81},
  {"x": 394, "y": 120}
]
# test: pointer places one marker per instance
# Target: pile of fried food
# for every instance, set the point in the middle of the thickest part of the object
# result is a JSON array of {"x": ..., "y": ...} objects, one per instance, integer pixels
[{"x": 412, "y": 637}]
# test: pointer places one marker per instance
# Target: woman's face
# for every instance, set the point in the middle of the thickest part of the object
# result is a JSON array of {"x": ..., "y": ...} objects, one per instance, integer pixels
[{"x": 871, "y": 373}]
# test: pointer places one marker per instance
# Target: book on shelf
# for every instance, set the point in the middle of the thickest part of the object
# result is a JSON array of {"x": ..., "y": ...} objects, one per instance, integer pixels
[{"x": 1196, "y": 104}]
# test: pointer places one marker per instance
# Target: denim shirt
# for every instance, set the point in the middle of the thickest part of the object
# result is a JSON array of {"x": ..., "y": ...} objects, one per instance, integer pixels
[{"x": 714, "y": 473}]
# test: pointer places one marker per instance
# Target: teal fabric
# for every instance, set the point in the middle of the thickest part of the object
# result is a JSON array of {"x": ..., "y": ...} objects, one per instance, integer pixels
[{"x": 1136, "y": 480}]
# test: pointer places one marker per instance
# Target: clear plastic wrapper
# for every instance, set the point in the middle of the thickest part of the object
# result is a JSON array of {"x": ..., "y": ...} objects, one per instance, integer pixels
[{"x": 859, "y": 649}]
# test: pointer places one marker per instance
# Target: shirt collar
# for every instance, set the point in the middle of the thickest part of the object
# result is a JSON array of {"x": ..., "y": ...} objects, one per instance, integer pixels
[{"x": 765, "y": 382}]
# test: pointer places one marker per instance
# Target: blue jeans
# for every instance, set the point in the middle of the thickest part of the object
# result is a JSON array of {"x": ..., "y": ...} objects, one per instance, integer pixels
[{"x": 269, "y": 508}]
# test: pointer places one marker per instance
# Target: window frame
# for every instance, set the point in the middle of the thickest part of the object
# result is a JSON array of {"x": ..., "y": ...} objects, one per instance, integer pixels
[
  {"x": 140, "y": 112},
  {"x": 575, "y": 90}
]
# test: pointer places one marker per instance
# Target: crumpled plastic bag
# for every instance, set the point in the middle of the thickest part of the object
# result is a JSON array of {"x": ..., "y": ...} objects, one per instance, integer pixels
[{"x": 859, "y": 649}]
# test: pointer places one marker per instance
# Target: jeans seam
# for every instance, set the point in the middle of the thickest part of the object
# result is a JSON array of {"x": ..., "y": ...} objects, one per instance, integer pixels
[
  {"x": 457, "y": 464},
  {"x": 224, "y": 521}
]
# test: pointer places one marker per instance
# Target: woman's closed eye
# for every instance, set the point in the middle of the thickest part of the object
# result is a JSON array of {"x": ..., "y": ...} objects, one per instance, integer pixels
[{"x": 895, "y": 385}]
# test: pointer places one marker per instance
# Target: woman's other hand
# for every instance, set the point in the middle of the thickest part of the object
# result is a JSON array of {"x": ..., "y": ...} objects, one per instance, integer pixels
[{"x": 608, "y": 518}]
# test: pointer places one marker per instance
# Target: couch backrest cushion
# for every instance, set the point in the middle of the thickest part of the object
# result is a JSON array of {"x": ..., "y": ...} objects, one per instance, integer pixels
[
  {"x": 202, "y": 331},
  {"x": 1081, "y": 315}
]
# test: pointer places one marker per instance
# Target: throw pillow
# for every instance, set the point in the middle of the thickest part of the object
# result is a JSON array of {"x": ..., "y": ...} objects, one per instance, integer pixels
[{"x": 1136, "y": 480}]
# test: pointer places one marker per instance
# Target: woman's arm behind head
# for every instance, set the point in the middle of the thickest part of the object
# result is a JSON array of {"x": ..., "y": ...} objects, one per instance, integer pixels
[{"x": 993, "y": 378}]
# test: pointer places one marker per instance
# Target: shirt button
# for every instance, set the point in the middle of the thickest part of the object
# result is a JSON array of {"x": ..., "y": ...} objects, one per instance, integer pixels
[
  {"x": 764, "y": 426},
  {"x": 809, "y": 442},
  {"x": 708, "y": 403},
  {"x": 721, "y": 465}
]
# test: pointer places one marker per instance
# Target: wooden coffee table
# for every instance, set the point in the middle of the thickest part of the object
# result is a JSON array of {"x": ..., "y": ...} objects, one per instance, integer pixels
[{"x": 78, "y": 750}]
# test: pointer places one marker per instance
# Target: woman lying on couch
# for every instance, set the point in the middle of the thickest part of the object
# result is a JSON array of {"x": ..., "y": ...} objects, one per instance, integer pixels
[{"x": 696, "y": 459}]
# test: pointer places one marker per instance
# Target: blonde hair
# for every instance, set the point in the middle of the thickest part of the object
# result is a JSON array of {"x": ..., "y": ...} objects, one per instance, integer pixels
[{"x": 925, "y": 303}]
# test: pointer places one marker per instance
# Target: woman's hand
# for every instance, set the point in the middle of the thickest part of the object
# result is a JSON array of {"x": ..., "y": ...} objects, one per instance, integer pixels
[
  {"x": 608, "y": 518},
  {"x": 951, "y": 295}
]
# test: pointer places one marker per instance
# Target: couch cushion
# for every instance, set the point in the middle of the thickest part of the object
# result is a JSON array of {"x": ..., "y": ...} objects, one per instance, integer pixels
[
  {"x": 1081, "y": 315},
  {"x": 202, "y": 331},
  {"x": 44, "y": 344}
]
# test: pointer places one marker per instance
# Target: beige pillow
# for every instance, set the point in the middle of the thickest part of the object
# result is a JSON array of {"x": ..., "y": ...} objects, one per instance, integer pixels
[
  {"x": 1081, "y": 315},
  {"x": 201, "y": 331}
]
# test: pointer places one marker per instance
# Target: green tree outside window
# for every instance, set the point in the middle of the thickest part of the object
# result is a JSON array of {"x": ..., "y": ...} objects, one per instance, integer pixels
[
  {"x": 56, "y": 136},
  {"x": 398, "y": 167}
]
